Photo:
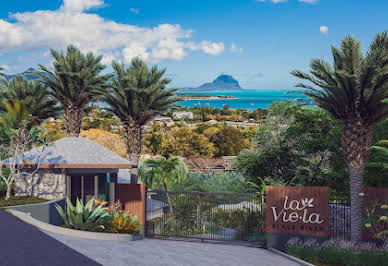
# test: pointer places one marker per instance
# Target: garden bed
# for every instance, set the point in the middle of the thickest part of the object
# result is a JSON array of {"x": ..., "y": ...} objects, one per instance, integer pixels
[
  {"x": 20, "y": 200},
  {"x": 25, "y": 217},
  {"x": 339, "y": 252}
]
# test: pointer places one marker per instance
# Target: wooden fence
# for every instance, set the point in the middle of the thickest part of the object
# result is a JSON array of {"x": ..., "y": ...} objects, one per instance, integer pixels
[{"x": 133, "y": 200}]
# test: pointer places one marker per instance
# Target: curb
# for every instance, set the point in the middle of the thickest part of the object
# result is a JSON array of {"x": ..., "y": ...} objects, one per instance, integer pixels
[
  {"x": 299, "y": 261},
  {"x": 32, "y": 204},
  {"x": 26, "y": 217}
]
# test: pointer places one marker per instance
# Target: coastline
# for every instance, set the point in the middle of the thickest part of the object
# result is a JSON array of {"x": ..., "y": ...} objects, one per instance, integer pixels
[{"x": 193, "y": 97}]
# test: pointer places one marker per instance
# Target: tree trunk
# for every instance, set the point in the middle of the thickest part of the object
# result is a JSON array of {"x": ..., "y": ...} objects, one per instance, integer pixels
[
  {"x": 73, "y": 120},
  {"x": 8, "y": 193},
  {"x": 168, "y": 197},
  {"x": 357, "y": 138},
  {"x": 133, "y": 142}
]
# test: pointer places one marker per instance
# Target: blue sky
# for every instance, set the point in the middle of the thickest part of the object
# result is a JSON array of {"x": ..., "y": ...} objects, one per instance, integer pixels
[{"x": 258, "y": 42}]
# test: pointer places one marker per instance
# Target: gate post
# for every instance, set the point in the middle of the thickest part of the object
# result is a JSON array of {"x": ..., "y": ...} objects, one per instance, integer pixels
[{"x": 301, "y": 212}]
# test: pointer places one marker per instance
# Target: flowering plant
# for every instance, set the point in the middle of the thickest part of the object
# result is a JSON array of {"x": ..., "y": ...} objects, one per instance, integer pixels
[{"x": 376, "y": 220}]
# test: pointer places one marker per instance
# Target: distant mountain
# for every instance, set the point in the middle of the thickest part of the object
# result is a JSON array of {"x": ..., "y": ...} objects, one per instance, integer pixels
[
  {"x": 221, "y": 83},
  {"x": 26, "y": 74}
]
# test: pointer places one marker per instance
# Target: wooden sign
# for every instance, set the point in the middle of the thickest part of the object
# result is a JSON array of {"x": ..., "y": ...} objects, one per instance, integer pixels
[{"x": 298, "y": 210}]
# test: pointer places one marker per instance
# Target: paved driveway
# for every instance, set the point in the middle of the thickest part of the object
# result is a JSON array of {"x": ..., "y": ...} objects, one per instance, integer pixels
[
  {"x": 22, "y": 244},
  {"x": 172, "y": 253}
]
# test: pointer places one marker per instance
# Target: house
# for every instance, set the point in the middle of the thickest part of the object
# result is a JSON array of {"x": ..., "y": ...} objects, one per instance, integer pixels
[
  {"x": 183, "y": 115},
  {"x": 72, "y": 167}
]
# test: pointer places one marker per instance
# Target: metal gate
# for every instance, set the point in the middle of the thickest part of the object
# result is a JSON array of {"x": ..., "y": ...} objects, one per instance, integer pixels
[{"x": 206, "y": 216}]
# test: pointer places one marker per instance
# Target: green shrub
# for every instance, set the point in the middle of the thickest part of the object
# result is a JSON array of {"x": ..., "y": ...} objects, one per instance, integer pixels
[
  {"x": 331, "y": 255},
  {"x": 84, "y": 217},
  {"x": 339, "y": 252},
  {"x": 295, "y": 250},
  {"x": 122, "y": 223},
  {"x": 372, "y": 258},
  {"x": 310, "y": 253},
  {"x": 351, "y": 257}
]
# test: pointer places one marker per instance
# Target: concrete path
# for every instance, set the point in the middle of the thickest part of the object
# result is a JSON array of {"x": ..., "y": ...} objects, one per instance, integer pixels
[
  {"x": 23, "y": 244},
  {"x": 172, "y": 253}
]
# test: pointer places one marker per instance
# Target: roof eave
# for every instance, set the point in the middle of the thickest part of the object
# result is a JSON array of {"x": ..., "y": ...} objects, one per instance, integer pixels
[{"x": 73, "y": 166}]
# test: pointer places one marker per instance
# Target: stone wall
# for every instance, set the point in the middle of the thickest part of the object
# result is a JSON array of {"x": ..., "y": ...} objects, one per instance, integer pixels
[{"x": 46, "y": 183}]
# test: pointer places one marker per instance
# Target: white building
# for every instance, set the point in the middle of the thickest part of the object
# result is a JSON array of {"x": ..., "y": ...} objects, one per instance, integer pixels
[{"x": 183, "y": 115}]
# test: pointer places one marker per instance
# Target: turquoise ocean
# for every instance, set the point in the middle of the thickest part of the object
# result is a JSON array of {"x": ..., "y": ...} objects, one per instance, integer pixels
[{"x": 247, "y": 99}]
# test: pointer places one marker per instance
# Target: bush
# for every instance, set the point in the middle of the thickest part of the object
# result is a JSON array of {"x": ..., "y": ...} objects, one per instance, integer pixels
[
  {"x": 122, "y": 223},
  {"x": 339, "y": 252}
]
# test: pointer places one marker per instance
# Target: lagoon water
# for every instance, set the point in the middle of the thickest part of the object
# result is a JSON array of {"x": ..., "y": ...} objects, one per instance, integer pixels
[{"x": 247, "y": 99}]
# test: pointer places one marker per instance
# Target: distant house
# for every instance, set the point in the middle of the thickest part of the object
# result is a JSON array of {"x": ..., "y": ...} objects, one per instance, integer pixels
[
  {"x": 72, "y": 167},
  {"x": 183, "y": 115},
  {"x": 212, "y": 122}
]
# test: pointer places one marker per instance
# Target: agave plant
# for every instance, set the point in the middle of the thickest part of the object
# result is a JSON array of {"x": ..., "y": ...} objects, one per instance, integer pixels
[{"x": 86, "y": 217}]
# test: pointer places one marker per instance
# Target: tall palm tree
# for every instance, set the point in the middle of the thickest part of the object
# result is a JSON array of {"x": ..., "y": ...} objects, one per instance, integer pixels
[
  {"x": 136, "y": 95},
  {"x": 352, "y": 90},
  {"x": 157, "y": 172},
  {"x": 75, "y": 82},
  {"x": 33, "y": 95}
]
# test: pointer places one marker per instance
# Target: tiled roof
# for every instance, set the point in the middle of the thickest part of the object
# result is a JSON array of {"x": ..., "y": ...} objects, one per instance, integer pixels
[{"x": 73, "y": 151}]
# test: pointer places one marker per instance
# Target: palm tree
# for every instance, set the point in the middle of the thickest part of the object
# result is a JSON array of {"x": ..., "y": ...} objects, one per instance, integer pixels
[
  {"x": 13, "y": 117},
  {"x": 156, "y": 172},
  {"x": 352, "y": 90},
  {"x": 136, "y": 95},
  {"x": 34, "y": 96},
  {"x": 1, "y": 73},
  {"x": 75, "y": 82}
]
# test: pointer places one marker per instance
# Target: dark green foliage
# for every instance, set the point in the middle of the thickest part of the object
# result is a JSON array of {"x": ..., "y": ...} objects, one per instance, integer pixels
[
  {"x": 339, "y": 253},
  {"x": 228, "y": 141},
  {"x": 376, "y": 171},
  {"x": 331, "y": 255},
  {"x": 295, "y": 250},
  {"x": 76, "y": 79},
  {"x": 295, "y": 145},
  {"x": 33, "y": 95},
  {"x": 74, "y": 83},
  {"x": 225, "y": 182},
  {"x": 138, "y": 92}
]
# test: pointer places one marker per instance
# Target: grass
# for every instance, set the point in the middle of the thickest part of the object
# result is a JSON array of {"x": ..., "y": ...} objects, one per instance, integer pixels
[{"x": 19, "y": 200}]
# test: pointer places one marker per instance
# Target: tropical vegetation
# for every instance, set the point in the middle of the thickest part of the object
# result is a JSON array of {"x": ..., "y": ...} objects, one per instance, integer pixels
[
  {"x": 154, "y": 172},
  {"x": 74, "y": 83},
  {"x": 352, "y": 90},
  {"x": 95, "y": 216},
  {"x": 33, "y": 95},
  {"x": 338, "y": 252},
  {"x": 136, "y": 94}
]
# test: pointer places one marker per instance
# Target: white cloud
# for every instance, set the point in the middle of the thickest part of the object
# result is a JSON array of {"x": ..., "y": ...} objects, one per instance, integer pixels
[
  {"x": 5, "y": 67},
  {"x": 44, "y": 29},
  {"x": 235, "y": 49},
  {"x": 207, "y": 47},
  {"x": 324, "y": 29},
  {"x": 81, "y": 5},
  {"x": 134, "y": 10}
]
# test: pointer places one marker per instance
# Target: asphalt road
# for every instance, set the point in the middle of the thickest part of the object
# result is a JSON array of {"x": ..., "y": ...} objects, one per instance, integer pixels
[{"x": 22, "y": 244}]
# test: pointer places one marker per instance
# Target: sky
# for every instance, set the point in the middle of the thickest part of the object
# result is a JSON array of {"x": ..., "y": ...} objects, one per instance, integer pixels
[{"x": 256, "y": 41}]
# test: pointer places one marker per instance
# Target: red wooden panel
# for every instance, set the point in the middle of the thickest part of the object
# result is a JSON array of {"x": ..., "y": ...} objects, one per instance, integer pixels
[
  {"x": 133, "y": 199},
  {"x": 298, "y": 210}
]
